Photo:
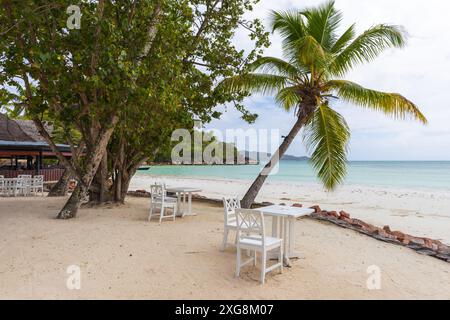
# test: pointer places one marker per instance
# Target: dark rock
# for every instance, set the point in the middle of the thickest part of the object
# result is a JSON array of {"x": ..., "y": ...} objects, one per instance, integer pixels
[
  {"x": 418, "y": 241},
  {"x": 344, "y": 215},
  {"x": 427, "y": 252},
  {"x": 332, "y": 214}
]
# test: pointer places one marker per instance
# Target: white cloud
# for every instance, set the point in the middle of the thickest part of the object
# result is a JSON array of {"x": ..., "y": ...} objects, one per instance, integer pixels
[{"x": 420, "y": 72}]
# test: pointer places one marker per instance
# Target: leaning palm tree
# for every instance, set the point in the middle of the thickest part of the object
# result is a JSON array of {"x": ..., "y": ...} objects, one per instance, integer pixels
[{"x": 310, "y": 78}]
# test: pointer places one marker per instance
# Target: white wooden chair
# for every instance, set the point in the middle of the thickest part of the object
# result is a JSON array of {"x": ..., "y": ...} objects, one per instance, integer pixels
[
  {"x": 37, "y": 185},
  {"x": 160, "y": 200},
  {"x": 17, "y": 187},
  {"x": 9, "y": 187},
  {"x": 25, "y": 184},
  {"x": 229, "y": 216},
  {"x": 2, "y": 186},
  {"x": 251, "y": 236}
]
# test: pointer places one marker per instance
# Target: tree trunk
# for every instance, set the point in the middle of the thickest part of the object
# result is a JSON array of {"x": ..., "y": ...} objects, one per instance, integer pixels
[
  {"x": 103, "y": 177},
  {"x": 99, "y": 189},
  {"x": 61, "y": 188},
  {"x": 71, "y": 207},
  {"x": 92, "y": 163},
  {"x": 254, "y": 189}
]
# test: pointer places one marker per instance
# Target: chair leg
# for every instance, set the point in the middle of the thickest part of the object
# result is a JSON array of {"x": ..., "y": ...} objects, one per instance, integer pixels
[
  {"x": 225, "y": 239},
  {"x": 280, "y": 258},
  {"x": 174, "y": 212},
  {"x": 161, "y": 215},
  {"x": 255, "y": 258},
  {"x": 263, "y": 266},
  {"x": 151, "y": 213},
  {"x": 238, "y": 262}
]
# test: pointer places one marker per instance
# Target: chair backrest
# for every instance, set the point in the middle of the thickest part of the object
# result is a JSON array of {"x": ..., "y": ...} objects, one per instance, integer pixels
[
  {"x": 251, "y": 223},
  {"x": 2, "y": 181},
  {"x": 157, "y": 193},
  {"x": 38, "y": 181},
  {"x": 160, "y": 183},
  {"x": 19, "y": 182},
  {"x": 229, "y": 209},
  {"x": 24, "y": 176}
]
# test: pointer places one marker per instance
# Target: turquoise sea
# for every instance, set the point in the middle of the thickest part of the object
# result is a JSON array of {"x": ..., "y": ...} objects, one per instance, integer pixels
[{"x": 417, "y": 174}]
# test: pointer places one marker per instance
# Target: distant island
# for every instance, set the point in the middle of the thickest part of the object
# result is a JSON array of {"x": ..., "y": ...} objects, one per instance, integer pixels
[{"x": 261, "y": 156}]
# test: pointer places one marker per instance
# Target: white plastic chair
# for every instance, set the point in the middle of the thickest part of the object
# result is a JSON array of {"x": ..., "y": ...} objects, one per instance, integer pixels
[
  {"x": 37, "y": 185},
  {"x": 229, "y": 216},
  {"x": 159, "y": 199},
  {"x": 251, "y": 236}
]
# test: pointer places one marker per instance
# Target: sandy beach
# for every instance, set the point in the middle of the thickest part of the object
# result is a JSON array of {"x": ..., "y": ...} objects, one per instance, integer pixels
[
  {"x": 123, "y": 256},
  {"x": 421, "y": 213}
]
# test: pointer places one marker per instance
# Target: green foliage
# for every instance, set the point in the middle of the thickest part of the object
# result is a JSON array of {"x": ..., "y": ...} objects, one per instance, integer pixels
[
  {"x": 189, "y": 62},
  {"x": 143, "y": 68},
  {"x": 326, "y": 136},
  {"x": 208, "y": 140},
  {"x": 307, "y": 80}
]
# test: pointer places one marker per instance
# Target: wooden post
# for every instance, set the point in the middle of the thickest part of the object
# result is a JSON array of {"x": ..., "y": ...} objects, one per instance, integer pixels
[{"x": 39, "y": 163}]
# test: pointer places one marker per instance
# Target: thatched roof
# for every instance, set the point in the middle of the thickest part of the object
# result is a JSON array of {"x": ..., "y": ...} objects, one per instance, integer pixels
[
  {"x": 20, "y": 130},
  {"x": 30, "y": 129},
  {"x": 11, "y": 131}
]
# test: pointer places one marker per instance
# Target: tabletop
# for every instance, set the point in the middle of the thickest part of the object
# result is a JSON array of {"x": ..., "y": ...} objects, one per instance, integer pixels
[
  {"x": 183, "y": 189},
  {"x": 285, "y": 211}
]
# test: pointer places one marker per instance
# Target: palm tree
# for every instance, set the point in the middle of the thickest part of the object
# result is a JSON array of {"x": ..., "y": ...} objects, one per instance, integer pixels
[{"x": 310, "y": 77}]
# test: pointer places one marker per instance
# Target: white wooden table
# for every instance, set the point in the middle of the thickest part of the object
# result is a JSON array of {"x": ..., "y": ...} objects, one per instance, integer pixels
[
  {"x": 183, "y": 193},
  {"x": 283, "y": 219}
]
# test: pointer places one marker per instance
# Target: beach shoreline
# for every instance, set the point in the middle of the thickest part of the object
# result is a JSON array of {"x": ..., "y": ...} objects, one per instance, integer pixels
[{"x": 420, "y": 212}]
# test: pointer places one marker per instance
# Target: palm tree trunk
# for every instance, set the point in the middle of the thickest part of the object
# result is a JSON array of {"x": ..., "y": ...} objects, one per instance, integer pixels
[{"x": 253, "y": 191}]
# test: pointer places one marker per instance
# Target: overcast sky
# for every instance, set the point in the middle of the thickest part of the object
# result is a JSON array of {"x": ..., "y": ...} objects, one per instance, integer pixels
[{"x": 421, "y": 72}]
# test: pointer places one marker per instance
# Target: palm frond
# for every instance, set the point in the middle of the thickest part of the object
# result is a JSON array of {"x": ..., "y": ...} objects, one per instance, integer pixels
[
  {"x": 309, "y": 52},
  {"x": 326, "y": 136},
  {"x": 322, "y": 23},
  {"x": 288, "y": 98},
  {"x": 368, "y": 46},
  {"x": 276, "y": 66},
  {"x": 392, "y": 104},
  {"x": 344, "y": 40},
  {"x": 291, "y": 27},
  {"x": 255, "y": 83}
]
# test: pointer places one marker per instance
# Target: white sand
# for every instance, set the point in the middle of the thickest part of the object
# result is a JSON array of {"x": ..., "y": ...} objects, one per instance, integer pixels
[
  {"x": 417, "y": 212},
  {"x": 121, "y": 255}
]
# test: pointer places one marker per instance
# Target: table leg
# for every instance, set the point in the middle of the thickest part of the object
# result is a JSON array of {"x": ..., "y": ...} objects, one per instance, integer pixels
[
  {"x": 179, "y": 209},
  {"x": 286, "y": 239},
  {"x": 184, "y": 204},
  {"x": 274, "y": 226},
  {"x": 190, "y": 203},
  {"x": 291, "y": 236}
]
